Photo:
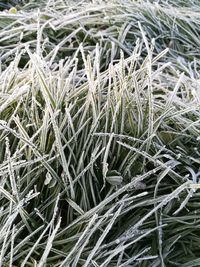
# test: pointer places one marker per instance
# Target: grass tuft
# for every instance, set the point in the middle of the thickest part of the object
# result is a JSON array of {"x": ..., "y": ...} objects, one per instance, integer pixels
[{"x": 99, "y": 134}]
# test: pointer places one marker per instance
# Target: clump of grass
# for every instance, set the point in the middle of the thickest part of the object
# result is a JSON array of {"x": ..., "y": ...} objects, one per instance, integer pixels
[
  {"x": 62, "y": 27},
  {"x": 99, "y": 138}
]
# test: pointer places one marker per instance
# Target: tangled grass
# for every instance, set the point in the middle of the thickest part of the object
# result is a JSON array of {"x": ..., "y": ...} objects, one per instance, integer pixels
[{"x": 99, "y": 134}]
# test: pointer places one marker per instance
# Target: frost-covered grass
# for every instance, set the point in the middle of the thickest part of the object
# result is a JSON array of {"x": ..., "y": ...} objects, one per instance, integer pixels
[{"x": 99, "y": 134}]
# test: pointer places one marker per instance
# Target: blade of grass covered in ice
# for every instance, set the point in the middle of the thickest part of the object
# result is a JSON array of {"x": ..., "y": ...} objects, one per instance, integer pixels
[
  {"x": 49, "y": 244},
  {"x": 102, "y": 237}
]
